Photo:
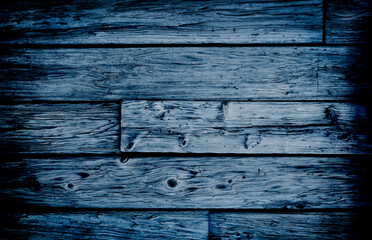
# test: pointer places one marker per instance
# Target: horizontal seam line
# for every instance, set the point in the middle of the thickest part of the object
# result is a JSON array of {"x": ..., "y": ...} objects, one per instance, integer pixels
[
  {"x": 20, "y": 102},
  {"x": 175, "y": 155},
  {"x": 41, "y": 46}
]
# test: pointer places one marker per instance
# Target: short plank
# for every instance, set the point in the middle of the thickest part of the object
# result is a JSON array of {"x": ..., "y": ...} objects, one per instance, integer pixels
[
  {"x": 328, "y": 225},
  {"x": 60, "y": 128},
  {"x": 163, "y": 21},
  {"x": 106, "y": 225},
  {"x": 188, "y": 182},
  {"x": 348, "y": 21},
  {"x": 245, "y": 127},
  {"x": 249, "y": 73}
]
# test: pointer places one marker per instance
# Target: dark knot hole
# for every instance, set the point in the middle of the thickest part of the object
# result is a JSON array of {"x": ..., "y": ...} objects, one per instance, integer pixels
[{"x": 172, "y": 183}]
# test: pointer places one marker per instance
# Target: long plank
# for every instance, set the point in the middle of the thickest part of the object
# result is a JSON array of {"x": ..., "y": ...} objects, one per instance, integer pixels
[
  {"x": 249, "y": 73},
  {"x": 331, "y": 225},
  {"x": 106, "y": 225},
  {"x": 245, "y": 127},
  {"x": 348, "y": 21},
  {"x": 188, "y": 182},
  {"x": 60, "y": 128},
  {"x": 163, "y": 21}
]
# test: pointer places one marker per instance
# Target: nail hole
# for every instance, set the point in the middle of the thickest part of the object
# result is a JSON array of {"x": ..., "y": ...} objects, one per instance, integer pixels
[
  {"x": 124, "y": 159},
  {"x": 172, "y": 183},
  {"x": 182, "y": 141},
  {"x": 130, "y": 146},
  {"x": 221, "y": 186},
  {"x": 70, "y": 185}
]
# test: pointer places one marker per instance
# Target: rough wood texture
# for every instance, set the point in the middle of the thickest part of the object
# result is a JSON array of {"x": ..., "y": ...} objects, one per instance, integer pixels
[
  {"x": 299, "y": 100},
  {"x": 349, "y": 21},
  {"x": 60, "y": 128},
  {"x": 289, "y": 226},
  {"x": 251, "y": 73},
  {"x": 188, "y": 182},
  {"x": 106, "y": 225},
  {"x": 163, "y": 21},
  {"x": 245, "y": 127}
]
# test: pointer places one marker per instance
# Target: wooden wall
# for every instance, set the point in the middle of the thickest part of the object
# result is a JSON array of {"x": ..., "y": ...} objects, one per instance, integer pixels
[{"x": 185, "y": 119}]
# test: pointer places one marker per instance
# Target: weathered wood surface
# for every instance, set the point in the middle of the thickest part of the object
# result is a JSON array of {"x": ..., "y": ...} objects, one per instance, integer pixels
[
  {"x": 60, "y": 128},
  {"x": 245, "y": 127},
  {"x": 249, "y": 73},
  {"x": 217, "y": 21},
  {"x": 328, "y": 225},
  {"x": 270, "y": 74},
  {"x": 106, "y": 225},
  {"x": 349, "y": 21},
  {"x": 185, "y": 225},
  {"x": 188, "y": 182}
]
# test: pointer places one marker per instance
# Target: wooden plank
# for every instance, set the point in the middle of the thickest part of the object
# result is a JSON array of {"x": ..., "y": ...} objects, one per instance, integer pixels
[
  {"x": 163, "y": 21},
  {"x": 251, "y": 73},
  {"x": 348, "y": 21},
  {"x": 60, "y": 128},
  {"x": 188, "y": 182},
  {"x": 245, "y": 127},
  {"x": 106, "y": 225},
  {"x": 328, "y": 225}
]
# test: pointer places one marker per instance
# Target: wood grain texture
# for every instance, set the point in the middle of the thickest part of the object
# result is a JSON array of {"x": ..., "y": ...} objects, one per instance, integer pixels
[
  {"x": 332, "y": 225},
  {"x": 188, "y": 182},
  {"x": 348, "y": 21},
  {"x": 249, "y": 73},
  {"x": 217, "y": 21},
  {"x": 60, "y": 128},
  {"x": 245, "y": 127},
  {"x": 106, "y": 225}
]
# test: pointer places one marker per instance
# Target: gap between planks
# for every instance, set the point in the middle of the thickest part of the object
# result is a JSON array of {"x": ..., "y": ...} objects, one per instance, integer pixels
[{"x": 202, "y": 45}]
